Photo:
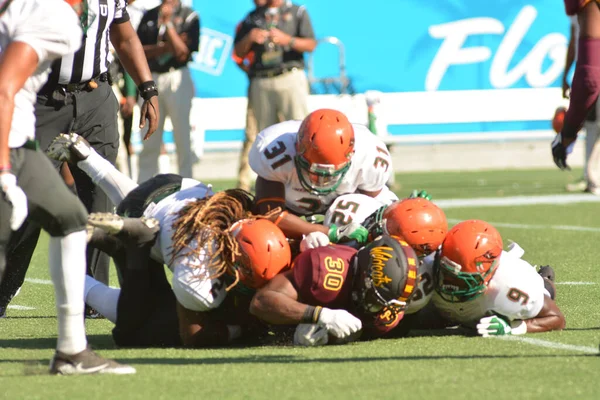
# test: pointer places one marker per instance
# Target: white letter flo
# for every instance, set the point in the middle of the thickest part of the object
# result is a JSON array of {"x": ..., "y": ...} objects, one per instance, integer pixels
[{"x": 451, "y": 52}]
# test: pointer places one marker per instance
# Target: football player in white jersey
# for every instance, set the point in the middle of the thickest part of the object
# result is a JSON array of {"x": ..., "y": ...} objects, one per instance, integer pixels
[
  {"x": 210, "y": 241},
  {"x": 481, "y": 286},
  {"x": 32, "y": 34},
  {"x": 303, "y": 166}
]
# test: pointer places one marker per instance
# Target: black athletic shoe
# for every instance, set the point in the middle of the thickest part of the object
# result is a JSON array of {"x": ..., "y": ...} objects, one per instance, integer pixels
[
  {"x": 86, "y": 362},
  {"x": 92, "y": 313},
  {"x": 131, "y": 231},
  {"x": 547, "y": 272}
]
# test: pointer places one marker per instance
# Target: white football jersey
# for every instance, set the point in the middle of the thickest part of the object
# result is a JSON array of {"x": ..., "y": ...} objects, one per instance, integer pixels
[
  {"x": 192, "y": 285},
  {"x": 353, "y": 207},
  {"x": 516, "y": 291},
  {"x": 52, "y": 30},
  {"x": 272, "y": 158}
]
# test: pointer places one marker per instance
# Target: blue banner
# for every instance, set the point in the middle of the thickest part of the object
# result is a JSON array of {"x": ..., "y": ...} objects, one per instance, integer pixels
[{"x": 406, "y": 45}]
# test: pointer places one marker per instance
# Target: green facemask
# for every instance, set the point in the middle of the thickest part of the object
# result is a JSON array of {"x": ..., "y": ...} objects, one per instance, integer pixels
[
  {"x": 472, "y": 284},
  {"x": 329, "y": 180}
]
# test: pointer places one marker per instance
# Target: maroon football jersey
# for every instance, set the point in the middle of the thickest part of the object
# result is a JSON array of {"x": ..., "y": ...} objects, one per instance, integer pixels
[{"x": 322, "y": 278}]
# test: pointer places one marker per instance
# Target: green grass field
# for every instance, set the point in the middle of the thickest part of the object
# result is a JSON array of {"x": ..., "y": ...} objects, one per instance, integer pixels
[{"x": 426, "y": 365}]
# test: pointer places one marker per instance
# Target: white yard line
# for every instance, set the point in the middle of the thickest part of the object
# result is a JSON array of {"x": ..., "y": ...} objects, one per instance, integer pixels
[
  {"x": 573, "y": 228},
  {"x": 38, "y": 281},
  {"x": 15, "y": 307},
  {"x": 517, "y": 200},
  {"x": 549, "y": 344}
]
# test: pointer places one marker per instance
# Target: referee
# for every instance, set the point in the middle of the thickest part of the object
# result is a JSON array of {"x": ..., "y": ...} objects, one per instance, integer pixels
[{"x": 78, "y": 98}]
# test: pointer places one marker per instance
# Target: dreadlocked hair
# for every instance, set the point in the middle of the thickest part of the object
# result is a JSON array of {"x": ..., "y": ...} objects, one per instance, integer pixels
[{"x": 208, "y": 221}]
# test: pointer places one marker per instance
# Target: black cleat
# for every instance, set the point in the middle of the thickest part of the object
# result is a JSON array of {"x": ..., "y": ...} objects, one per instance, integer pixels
[
  {"x": 92, "y": 313},
  {"x": 131, "y": 231},
  {"x": 86, "y": 362},
  {"x": 547, "y": 272}
]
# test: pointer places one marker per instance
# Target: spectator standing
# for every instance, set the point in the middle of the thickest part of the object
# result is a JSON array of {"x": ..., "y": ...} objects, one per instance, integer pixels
[
  {"x": 170, "y": 34},
  {"x": 279, "y": 34},
  {"x": 245, "y": 172}
]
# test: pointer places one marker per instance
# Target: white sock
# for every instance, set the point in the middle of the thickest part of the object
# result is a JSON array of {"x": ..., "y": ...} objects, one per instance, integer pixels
[
  {"x": 66, "y": 256},
  {"x": 113, "y": 182},
  {"x": 101, "y": 297}
]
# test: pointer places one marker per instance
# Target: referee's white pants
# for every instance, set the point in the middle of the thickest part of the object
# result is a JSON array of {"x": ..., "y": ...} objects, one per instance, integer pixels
[{"x": 175, "y": 94}]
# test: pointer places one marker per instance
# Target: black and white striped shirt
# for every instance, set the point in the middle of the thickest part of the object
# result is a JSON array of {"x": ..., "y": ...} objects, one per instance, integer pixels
[{"x": 93, "y": 58}]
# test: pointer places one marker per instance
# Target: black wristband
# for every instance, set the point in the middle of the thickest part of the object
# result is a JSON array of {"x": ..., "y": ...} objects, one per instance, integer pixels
[
  {"x": 311, "y": 315},
  {"x": 148, "y": 90}
]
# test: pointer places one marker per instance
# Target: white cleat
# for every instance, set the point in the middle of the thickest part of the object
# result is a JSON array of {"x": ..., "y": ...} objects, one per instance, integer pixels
[
  {"x": 130, "y": 230},
  {"x": 70, "y": 148},
  {"x": 85, "y": 363}
]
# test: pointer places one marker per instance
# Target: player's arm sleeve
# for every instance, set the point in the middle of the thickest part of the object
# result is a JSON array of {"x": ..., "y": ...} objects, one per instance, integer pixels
[
  {"x": 51, "y": 29},
  {"x": 193, "y": 287}
]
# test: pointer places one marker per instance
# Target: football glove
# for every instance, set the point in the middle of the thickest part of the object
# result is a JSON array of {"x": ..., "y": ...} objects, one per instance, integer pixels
[
  {"x": 352, "y": 231},
  {"x": 310, "y": 335},
  {"x": 497, "y": 326},
  {"x": 314, "y": 239},
  {"x": 560, "y": 152},
  {"x": 339, "y": 323},
  {"x": 16, "y": 197},
  {"x": 420, "y": 193}
]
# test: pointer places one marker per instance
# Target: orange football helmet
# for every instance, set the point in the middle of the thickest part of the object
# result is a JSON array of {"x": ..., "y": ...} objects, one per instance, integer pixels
[
  {"x": 559, "y": 119},
  {"x": 324, "y": 149},
  {"x": 469, "y": 257},
  {"x": 265, "y": 251},
  {"x": 419, "y": 222}
]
